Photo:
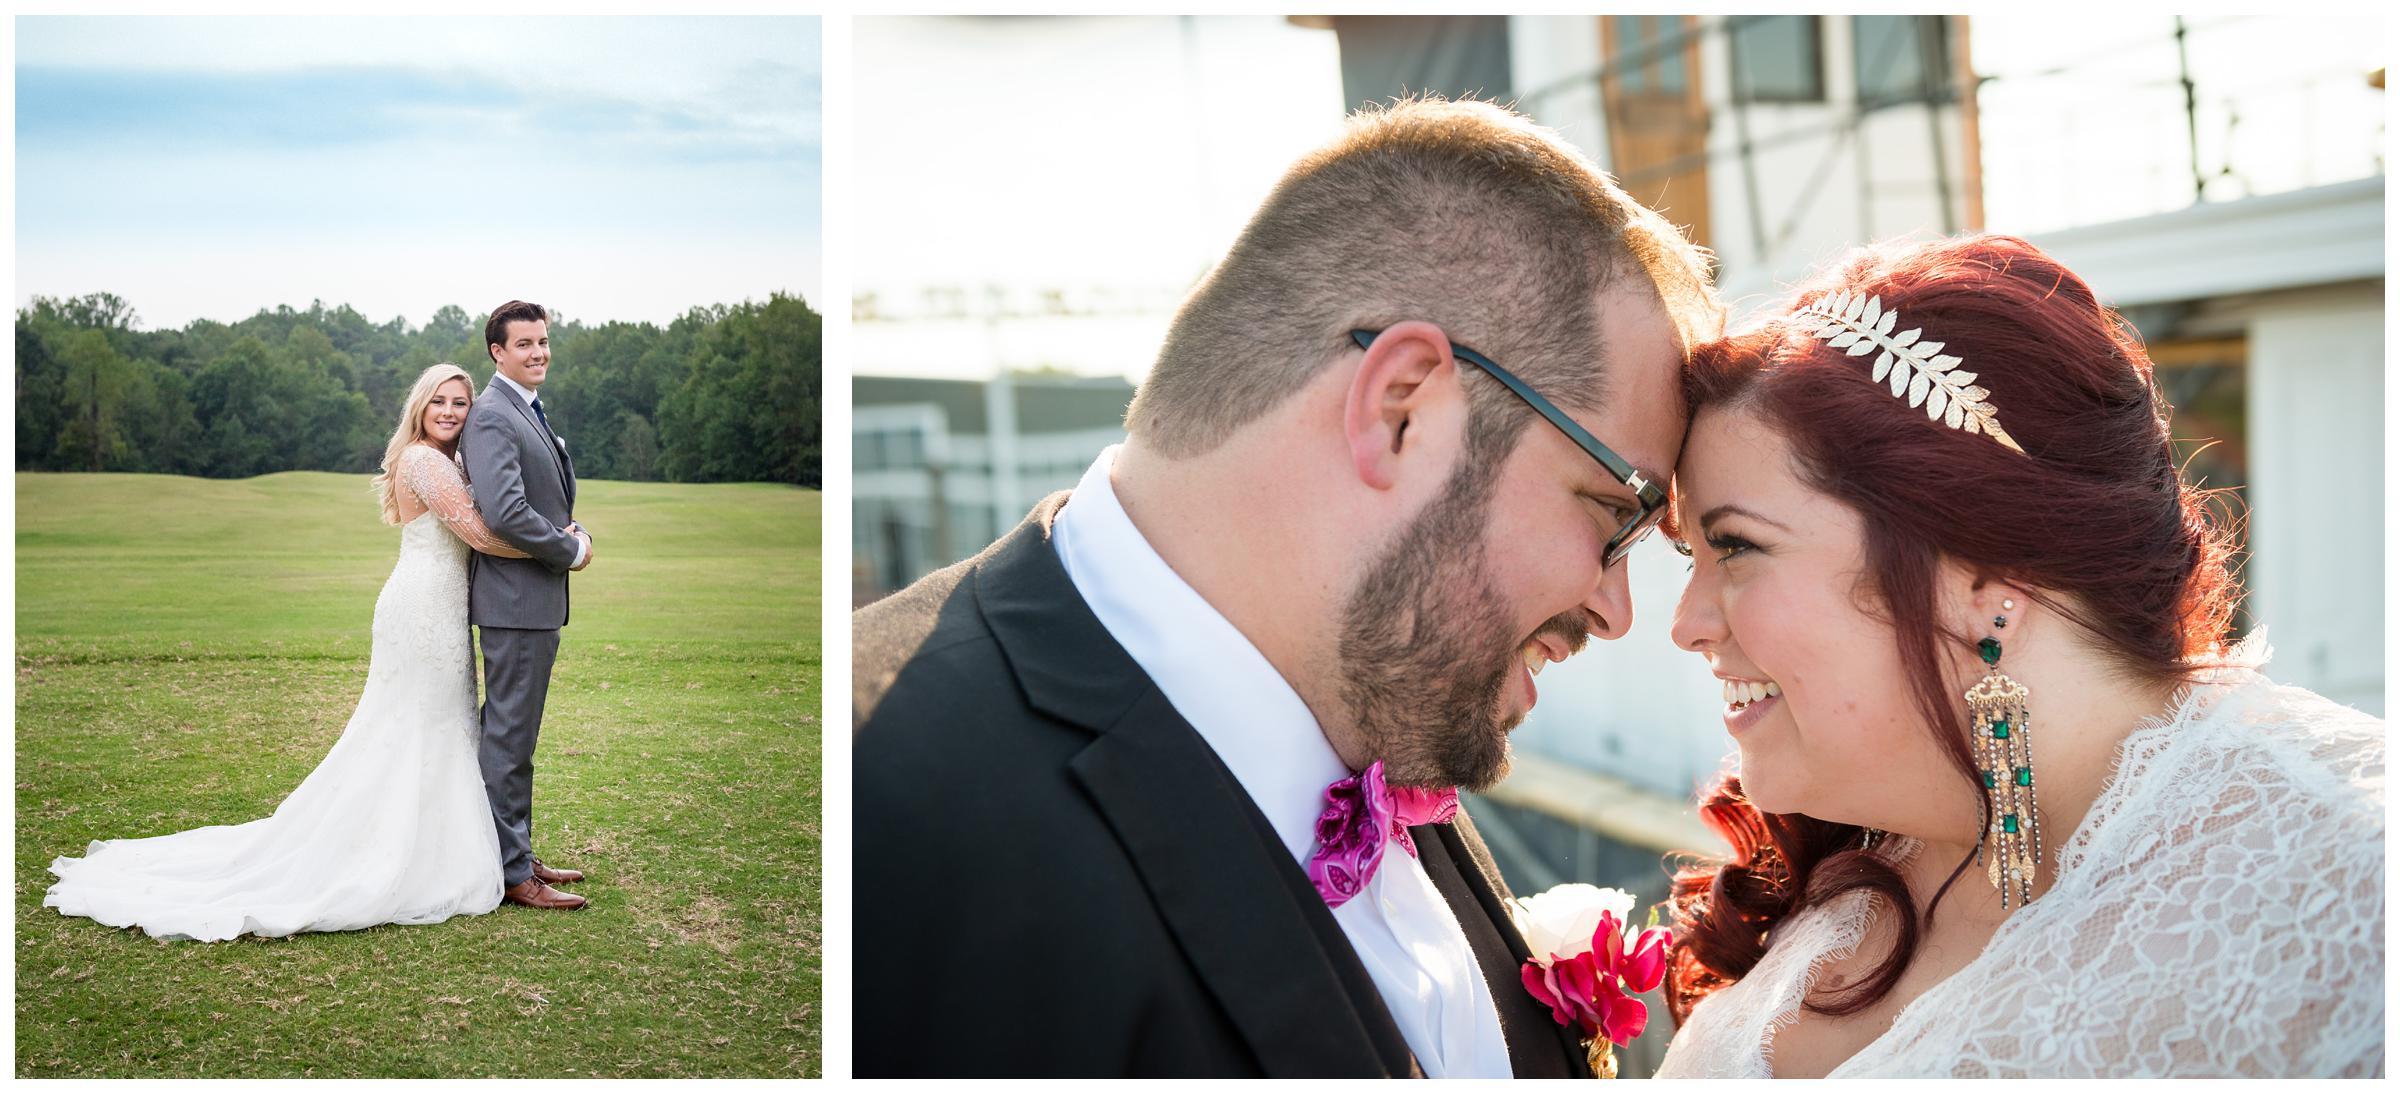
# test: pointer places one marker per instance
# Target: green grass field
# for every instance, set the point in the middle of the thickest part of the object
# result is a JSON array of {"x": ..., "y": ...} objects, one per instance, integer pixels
[{"x": 188, "y": 649}]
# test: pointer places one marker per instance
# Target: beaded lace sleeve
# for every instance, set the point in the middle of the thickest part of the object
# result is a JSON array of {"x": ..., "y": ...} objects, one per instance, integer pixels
[{"x": 438, "y": 483}]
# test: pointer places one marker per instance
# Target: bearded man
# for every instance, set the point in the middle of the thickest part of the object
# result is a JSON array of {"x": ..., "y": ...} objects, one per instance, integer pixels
[{"x": 1163, "y": 782}]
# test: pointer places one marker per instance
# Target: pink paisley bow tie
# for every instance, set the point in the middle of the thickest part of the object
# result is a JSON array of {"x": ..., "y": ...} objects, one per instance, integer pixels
[{"x": 1361, "y": 817}]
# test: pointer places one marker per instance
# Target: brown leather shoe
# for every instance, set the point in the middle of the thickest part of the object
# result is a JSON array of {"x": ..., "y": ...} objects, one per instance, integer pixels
[
  {"x": 551, "y": 875},
  {"x": 534, "y": 893}
]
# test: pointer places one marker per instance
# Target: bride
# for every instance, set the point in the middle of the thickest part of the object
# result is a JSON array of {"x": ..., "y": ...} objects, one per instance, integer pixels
[
  {"x": 393, "y": 826},
  {"x": 2007, "y": 803}
]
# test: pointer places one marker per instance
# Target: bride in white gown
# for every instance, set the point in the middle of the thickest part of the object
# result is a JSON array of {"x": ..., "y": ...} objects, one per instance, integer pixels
[
  {"x": 2008, "y": 805},
  {"x": 393, "y": 825}
]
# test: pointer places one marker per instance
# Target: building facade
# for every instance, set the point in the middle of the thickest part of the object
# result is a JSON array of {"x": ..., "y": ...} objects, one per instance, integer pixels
[{"x": 942, "y": 467}]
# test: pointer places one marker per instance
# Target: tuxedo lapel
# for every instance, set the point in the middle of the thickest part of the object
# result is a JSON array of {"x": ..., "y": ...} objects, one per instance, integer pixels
[
  {"x": 558, "y": 455},
  {"x": 1241, "y": 910},
  {"x": 1249, "y": 925},
  {"x": 1462, "y": 870}
]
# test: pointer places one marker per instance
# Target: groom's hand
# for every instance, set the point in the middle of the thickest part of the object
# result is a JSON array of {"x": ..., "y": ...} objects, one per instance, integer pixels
[{"x": 588, "y": 552}]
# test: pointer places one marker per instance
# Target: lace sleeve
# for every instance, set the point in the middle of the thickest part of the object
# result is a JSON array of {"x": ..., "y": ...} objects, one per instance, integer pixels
[{"x": 438, "y": 483}]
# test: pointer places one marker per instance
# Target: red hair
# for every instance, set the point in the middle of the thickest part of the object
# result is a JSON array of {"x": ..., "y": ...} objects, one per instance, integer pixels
[{"x": 2092, "y": 518}]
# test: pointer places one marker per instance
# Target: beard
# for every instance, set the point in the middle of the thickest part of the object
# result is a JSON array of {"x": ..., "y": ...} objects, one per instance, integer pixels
[{"x": 1426, "y": 649}]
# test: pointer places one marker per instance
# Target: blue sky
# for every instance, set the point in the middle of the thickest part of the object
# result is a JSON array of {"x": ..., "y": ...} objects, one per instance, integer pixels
[{"x": 611, "y": 168}]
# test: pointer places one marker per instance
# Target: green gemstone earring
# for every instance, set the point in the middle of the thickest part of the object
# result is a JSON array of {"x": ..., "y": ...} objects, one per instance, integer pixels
[{"x": 2003, "y": 735}]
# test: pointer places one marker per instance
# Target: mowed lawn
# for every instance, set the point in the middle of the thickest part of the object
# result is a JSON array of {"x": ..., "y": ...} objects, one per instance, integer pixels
[{"x": 188, "y": 649}]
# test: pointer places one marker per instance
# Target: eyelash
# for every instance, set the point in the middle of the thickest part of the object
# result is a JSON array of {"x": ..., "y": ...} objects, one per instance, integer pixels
[
  {"x": 1726, "y": 546},
  {"x": 1729, "y": 546}
]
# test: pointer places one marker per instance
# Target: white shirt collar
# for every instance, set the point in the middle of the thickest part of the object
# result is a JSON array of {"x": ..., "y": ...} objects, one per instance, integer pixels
[
  {"x": 1212, "y": 674},
  {"x": 522, "y": 391}
]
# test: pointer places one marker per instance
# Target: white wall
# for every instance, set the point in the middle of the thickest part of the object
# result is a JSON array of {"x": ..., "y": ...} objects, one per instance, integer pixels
[
  {"x": 2304, "y": 274},
  {"x": 2317, "y": 491},
  {"x": 1549, "y": 58}
]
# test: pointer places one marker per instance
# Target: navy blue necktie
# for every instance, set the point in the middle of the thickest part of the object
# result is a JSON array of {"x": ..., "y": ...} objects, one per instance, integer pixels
[{"x": 537, "y": 412}]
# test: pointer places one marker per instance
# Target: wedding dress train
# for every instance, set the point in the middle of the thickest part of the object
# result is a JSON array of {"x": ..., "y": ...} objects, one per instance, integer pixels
[{"x": 392, "y": 826}]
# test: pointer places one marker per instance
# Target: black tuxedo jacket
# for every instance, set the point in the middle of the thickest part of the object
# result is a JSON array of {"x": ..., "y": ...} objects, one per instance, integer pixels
[{"x": 1056, "y": 876}]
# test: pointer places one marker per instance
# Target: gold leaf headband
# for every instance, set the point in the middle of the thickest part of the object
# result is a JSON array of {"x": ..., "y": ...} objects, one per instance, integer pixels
[{"x": 1859, "y": 323}]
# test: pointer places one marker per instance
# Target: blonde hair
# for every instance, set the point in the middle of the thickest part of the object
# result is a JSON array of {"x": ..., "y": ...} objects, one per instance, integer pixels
[
  {"x": 412, "y": 430},
  {"x": 1459, "y": 212}
]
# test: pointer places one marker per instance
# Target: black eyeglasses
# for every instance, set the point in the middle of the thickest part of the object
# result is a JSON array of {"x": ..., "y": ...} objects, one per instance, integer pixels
[{"x": 1653, "y": 498}]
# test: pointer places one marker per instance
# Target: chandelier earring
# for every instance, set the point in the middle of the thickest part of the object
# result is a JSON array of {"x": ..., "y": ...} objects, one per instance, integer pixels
[{"x": 2002, "y": 729}]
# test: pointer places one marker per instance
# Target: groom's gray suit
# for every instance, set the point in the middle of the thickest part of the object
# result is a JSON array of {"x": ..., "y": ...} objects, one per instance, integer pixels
[{"x": 524, "y": 484}]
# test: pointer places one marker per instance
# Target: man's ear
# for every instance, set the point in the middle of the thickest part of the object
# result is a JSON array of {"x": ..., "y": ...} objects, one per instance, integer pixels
[{"x": 1407, "y": 380}]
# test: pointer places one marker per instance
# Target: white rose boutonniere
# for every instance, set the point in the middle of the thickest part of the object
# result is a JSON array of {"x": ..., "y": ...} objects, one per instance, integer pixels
[
  {"x": 1560, "y": 922},
  {"x": 1588, "y": 965}
]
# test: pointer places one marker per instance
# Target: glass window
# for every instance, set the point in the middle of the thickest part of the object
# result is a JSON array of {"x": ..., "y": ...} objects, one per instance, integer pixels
[
  {"x": 1776, "y": 58},
  {"x": 892, "y": 563},
  {"x": 1900, "y": 58},
  {"x": 1625, "y": 33},
  {"x": 1649, "y": 53},
  {"x": 1666, "y": 32}
]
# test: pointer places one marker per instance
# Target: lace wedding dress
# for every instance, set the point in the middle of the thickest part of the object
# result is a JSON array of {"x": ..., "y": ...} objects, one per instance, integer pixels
[
  {"x": 391, "y": 827},
  {"x": 2220, "y": 912}
]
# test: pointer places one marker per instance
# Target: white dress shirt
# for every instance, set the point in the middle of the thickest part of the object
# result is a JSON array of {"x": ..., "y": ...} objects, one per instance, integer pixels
[
  {"x": 527, "y": 394},
  {"x": 1402, "y": 930}
]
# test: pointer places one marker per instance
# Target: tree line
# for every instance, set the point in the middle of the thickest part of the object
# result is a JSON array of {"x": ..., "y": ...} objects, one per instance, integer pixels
[{"x": 725, "y": 393}]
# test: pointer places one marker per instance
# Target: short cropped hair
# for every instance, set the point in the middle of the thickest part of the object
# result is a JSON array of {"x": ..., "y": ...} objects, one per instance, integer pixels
[
  {"x": 1462, "y": 213},
  {"x": 495, "y": 329}
]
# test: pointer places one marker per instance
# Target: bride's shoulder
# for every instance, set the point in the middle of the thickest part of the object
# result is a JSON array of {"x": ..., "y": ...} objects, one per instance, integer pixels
[
  {"x": 2248, "y": 780},
  {"x": 425, "y": 455},
  {"x": 2234, "y": 724},
  {"x": 2346, "y": 742},
  {"x": 2291, "y": 737}
]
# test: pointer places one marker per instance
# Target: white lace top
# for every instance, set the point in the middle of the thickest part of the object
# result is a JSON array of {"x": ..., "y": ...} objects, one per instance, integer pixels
[{"x": 2220, "y": 912}]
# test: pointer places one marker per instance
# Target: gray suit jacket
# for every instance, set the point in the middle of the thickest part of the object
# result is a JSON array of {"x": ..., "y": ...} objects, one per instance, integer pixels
[{"x": 525, "y": 488}]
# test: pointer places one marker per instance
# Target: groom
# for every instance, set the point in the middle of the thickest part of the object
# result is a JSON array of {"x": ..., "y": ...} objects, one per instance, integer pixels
[
  {"x": 524, "y": 484},
  {"x": 1091, "y": 762}
]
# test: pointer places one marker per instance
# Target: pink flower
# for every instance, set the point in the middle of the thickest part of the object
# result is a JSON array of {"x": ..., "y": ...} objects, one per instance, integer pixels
[
  {"x": 1646, "y": 966},
  {"x": 1643, "y": 957},
  {"x": 1622, "y": 1017},
  {"x": 1593, "y": 990},
  {"x": 1567, "y": 987}
]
